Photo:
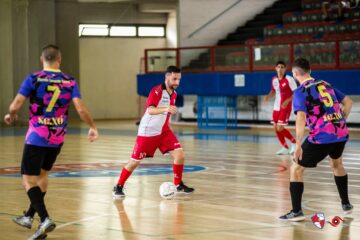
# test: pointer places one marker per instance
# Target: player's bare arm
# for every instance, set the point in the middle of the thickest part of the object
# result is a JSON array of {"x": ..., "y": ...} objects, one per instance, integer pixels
[
  {"x": 86, "y": 117},
  {"x": 346, "y": 106},
  {"x": 270, "y": 95},
  {"x": 14, "y": 108},
  {"x": 286, "y": 102},
  {"x": 300, "y": 128},
  {"x": 152, "y": 110}
]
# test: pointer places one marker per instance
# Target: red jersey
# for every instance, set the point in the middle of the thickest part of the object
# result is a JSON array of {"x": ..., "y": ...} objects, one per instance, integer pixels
[
  {"x": 153, "y": 125},
  {"x": 283, "y": 88}
]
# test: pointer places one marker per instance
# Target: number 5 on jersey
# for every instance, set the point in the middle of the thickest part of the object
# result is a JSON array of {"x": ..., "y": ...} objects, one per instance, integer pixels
[
  {"x": 328, "y": 101},
  {"x": 54, "y": 97}
]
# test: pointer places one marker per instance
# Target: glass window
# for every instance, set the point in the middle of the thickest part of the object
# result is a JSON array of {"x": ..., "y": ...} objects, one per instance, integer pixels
[
  {"x": 93, "y": 30},
  {"x": 123, "y": 31},
  {"x": 151, "y": 31}
]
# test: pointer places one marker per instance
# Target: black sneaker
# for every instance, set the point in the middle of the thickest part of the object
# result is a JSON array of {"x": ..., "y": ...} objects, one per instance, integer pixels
[
  {"x": 118, "y": 192},
  {"x": 182, "y": 188},
  {"x": 293, "y": 216},
  {"x": 347, "y": 208}
]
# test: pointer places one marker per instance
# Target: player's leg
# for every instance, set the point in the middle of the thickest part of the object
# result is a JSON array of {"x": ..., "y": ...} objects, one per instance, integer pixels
[
  {"x": 312, "y": 154},
  {"x": 49, "y": 156},
  {"x": 279, "y": 133},
  {"x": 144, "y": 147},
  {"x": 170, "y": 144},
  {"x": 340, "y": 175},
  {"x": 284, "y": 121},
  {"x": 296, "y": 192},
  {"x": 118, "y": 190}
]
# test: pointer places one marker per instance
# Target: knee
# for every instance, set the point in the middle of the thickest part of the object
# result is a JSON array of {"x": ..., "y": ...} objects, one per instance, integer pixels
[
  {"x": 131, "y": 165},
  {"x": 179, "y": 158},
  {"x": 296, "y": 172},
  {"x": 336, "y": 164}
]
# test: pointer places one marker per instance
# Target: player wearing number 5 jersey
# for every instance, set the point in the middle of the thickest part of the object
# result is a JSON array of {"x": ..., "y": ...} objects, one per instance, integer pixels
[
  {"x": 318, "y": 105},
  {"x": 50, "y": 94}
]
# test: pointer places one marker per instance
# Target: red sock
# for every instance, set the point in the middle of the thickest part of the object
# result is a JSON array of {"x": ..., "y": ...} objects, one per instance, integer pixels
[
  {"x": 178, "y": 170},
  {"x": 286, "y": 133},
  {"x": 281, "y": 139},
  {"x": 125, "y": 174}
]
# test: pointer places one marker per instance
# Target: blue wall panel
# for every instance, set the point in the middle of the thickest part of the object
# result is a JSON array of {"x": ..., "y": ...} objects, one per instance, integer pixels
[{"x": 256, "y": 83}]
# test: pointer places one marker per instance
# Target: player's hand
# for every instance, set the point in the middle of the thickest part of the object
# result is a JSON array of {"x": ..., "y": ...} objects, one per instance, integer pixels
[
  {"x": 298, "y": 153},
  {"x": 284, "y": 105},
  {"x": 8, "y": 119},
  {"x": 172, "y": 109},
  {"x": 93, "y": 134}
]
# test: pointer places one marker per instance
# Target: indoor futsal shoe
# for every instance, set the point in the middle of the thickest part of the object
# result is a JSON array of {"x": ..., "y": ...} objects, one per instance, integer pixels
[
  {"x": 46, "y": 226},
  {"x": 118, "y": 192},
  {"x": 182, "y": 188},
  {"x": 282, "y": 151},
  {"x": 293, "y": 216},
  {"x": 24, "y": 221},
  {"x": 347, "y": 208}
]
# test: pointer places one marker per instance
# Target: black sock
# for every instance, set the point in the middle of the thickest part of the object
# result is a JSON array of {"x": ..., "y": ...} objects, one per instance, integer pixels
[
  {"x": 296, "y": 191},
  {"x": 342, "y": 186},
  {"x": 37, "y": 202},
  {"x": 31, "y": 211}
]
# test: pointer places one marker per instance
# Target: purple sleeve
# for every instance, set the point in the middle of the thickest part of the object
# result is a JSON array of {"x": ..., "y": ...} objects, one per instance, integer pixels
[
  {"x": 76, "y": 91},
  {"x": 339, "y": 95},
  {"x": 26, "y": 87},
  {"x": 299, "y": 101}
]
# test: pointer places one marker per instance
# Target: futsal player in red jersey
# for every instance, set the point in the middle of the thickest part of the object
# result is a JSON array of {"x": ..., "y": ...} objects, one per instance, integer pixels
[
  {"x": 282, "y": 87},
  {"x": 155, "y": 133}
]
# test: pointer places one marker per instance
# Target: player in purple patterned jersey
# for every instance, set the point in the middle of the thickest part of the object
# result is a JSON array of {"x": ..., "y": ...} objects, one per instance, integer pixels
[
  {"x": 317, "y": 105},
  {"x": 50, "y": 93}
]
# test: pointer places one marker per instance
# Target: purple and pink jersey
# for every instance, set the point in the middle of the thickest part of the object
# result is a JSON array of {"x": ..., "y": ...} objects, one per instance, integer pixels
[
  {"x": 50, "y": 92},
  {"x": 324, "y": 117}
]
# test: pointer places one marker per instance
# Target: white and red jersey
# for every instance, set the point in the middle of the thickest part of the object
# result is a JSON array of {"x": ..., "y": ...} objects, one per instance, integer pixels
[
  {"x": 153, "y": 125},
  {"x": 283, "y": 88}
]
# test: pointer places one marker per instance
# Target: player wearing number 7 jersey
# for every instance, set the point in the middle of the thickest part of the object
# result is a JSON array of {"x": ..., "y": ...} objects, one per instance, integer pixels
[
  {"x": 50, "y": 92},
  {"x": 318, "y": 105}
]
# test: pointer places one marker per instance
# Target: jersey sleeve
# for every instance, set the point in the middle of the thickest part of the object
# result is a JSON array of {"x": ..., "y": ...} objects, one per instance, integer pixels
[
  {"x": 26, "y": 87},
  {"x": 299, "y": 102},
  {"x": 154, "y": 97},
  {"x": 76, "y": 91},
  {"x": 272, "y": 84},
  {"x": 339, "y": 95},
  {"x": 292, "y": 83}
]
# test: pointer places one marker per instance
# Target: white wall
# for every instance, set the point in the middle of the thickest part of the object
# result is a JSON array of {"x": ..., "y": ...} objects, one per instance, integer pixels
[
  {"x": 108, "y": 68},
  {"x": 192, "y": 14}
]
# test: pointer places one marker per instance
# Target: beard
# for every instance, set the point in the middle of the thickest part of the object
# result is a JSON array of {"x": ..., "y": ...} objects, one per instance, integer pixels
[{"x": 173, "y": 87}]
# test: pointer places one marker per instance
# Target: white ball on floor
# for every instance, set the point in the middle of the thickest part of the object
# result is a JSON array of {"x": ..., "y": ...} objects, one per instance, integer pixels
[{"x": 167, "y": 190}]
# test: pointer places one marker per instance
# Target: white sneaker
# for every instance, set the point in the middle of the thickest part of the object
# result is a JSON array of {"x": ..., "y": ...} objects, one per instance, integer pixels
[
  {"x": 282, "y": 151},
  {"x": 292, "y": 148}
]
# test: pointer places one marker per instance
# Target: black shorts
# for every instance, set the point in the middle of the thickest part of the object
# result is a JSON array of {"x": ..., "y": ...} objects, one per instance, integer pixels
[
  {"x": 315, "y": 153},
  {"x": 36, "y": 158}
]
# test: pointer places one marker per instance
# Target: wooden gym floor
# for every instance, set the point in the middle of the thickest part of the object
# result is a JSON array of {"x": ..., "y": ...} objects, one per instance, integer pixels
[{"x": 241, "y": 188}]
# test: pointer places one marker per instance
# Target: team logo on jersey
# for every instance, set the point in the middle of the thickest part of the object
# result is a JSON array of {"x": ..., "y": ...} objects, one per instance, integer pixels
[{"x": 318, "y": 219}]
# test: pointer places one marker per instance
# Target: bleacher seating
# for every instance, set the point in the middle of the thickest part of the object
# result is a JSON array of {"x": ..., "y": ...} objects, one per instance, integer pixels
[{"x": 299, "y": 25}]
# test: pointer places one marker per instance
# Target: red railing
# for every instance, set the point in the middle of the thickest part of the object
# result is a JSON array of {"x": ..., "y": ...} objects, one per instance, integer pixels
[{"x": 331, "y": 54}]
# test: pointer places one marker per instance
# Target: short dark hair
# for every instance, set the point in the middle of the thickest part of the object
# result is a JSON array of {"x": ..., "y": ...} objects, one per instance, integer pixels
[
  {"x": 173, "y": 69},
  {"x": 50, "y": 53},
  {"x": 302, "y": 64},
  {"x": 280, "y": 62}
]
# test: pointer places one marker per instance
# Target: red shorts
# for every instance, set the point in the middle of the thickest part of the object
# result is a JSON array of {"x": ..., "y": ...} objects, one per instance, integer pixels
[
  {"x": 145, "y": 147},
  {"x": 281, "y": 117}
]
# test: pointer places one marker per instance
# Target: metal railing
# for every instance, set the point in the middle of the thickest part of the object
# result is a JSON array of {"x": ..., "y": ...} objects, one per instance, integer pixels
[{"x": 323, "y": 55}]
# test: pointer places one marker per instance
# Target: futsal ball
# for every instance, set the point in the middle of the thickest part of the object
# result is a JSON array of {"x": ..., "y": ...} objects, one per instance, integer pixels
[{"x": 167, "y": 190}]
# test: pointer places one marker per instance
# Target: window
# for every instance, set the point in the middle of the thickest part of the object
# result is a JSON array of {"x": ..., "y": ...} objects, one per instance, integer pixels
[
  {"x": 123, "y": 31},
  {"x": 151, "y": 31}
]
